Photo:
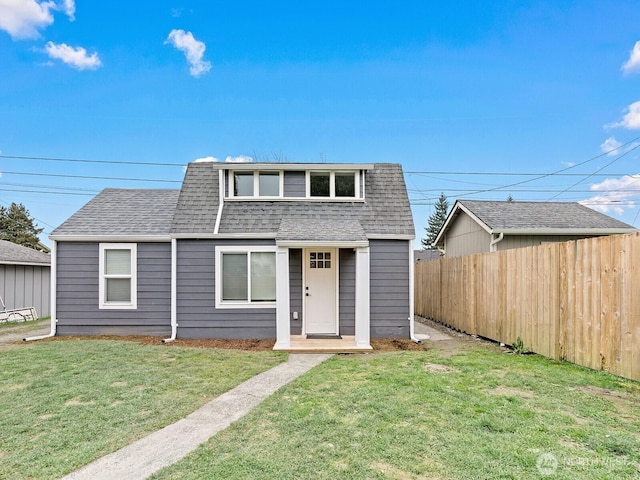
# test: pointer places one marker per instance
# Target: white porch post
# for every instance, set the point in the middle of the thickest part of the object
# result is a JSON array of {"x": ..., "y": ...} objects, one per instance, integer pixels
[
  {"x": 363, "y": 332},
  {"x": 283, "y": 322}
]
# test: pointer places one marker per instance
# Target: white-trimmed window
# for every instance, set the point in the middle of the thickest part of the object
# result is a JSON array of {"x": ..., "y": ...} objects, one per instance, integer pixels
[
  {"x": 340, "y": 184},
  {"x": 118, "y": 275},
  {"x": 247, "y": 183},
  {"x": 245, "y": 277}
]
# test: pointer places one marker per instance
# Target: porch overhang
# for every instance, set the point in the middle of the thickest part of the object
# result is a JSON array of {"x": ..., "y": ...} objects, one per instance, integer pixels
[
  {"x": 322, "y": 233},
  {"x": 328, "y": 232}
]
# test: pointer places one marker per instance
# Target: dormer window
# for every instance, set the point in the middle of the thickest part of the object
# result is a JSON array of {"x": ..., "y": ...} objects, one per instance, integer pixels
[
  {"x": 246, "y": 183},
  {"x": 332, "y": 184}
]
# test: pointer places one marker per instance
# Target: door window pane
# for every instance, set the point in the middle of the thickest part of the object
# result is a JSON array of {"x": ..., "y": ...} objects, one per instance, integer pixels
[
  {"x": 319, "y": 184},
  {"x": 269, "y": 184},
  {"x": 263, "y": 277},
  {"x": 234, "y": 276},
  {"x": 345, "y": 184},
  {"x": 243, "y": 184}
]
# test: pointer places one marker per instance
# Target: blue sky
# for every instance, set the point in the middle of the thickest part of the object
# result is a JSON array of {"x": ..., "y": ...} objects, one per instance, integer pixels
[{"x": 535, "y": 99}]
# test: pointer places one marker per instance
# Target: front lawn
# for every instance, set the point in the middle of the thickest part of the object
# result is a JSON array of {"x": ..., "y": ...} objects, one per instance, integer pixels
[
  {"x": 476, "y": 414},
  {"x": 66, "y": 403}
]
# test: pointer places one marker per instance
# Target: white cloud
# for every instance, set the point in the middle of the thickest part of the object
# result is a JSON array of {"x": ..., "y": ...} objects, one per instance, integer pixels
[
  {"x": 192, "y": 49},
  {"x": 630, "y": 120},
  {"x": 76, "y": 57},
  {"x": 633, "y": 64},
  {"x": 23, "y": 18},
  {"x": 69, "y": 8},
  {"x": 239, "y": 159},
  {"x": 616, "y": 194},
  {"x": 206, "y": 159},
  {"x": 611, "y": 146}
]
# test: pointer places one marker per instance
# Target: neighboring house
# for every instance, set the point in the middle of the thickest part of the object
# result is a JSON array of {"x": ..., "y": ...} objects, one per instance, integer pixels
[
  {"x": 425, "y": 255},
  {"x": 24, "y": 278},
  {"x": 243, "y": 250},
  {"x": 475, "y": 226}
]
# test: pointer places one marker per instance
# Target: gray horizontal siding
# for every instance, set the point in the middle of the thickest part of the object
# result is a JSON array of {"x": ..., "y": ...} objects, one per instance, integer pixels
[
  {"x": 295, "y": 289},
  {"x": 24, "y": 286},
  {"x": 77, "y": 292},
  {"x": 197, "y": 315},
  {"x": 295, "y": 184},
  {"x": 347, "y": 295},
  {"x": 389, "y": 288}
]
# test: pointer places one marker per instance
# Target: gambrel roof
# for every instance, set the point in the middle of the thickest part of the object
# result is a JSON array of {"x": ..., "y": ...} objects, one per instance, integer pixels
[
  {"x": 385, "y": 211},
  {"x": 534, "y": 218},
  {"x": 198, "y": 210}
]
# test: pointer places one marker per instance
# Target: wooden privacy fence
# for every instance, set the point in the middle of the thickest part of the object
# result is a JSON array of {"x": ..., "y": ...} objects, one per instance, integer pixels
[{"x": 578, "y": 301}]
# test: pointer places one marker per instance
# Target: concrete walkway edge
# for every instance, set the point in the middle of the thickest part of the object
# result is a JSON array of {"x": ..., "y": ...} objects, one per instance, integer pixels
[{"x": 146, "y": 456}]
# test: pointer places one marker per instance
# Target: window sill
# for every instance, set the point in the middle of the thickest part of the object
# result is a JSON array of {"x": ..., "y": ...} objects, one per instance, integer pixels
[{"x": 236, "y": 305}]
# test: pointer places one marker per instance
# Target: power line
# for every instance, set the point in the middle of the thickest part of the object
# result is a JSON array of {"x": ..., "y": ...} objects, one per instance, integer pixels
[
  {"x": 84, "y": 160},
  {"x": 91, "y": 177}
]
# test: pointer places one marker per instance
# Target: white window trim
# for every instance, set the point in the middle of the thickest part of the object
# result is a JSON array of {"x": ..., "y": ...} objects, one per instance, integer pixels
[
  {"x": 332, "y": 184},
  {"x": 256, "y": 185},
  {"x": 102, "y": 303},
  {"x": 221, "y": 304}
]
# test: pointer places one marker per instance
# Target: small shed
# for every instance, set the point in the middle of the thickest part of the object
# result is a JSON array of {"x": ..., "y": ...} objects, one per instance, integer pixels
[
  {"x": 476, "y": 226},
  {"x": 25, "y": 278}
]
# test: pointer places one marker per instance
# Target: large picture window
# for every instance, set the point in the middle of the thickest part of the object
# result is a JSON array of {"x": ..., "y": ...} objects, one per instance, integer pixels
[
  {"x": 118, "y": 278},
  {"x": 245, "y": 276}
]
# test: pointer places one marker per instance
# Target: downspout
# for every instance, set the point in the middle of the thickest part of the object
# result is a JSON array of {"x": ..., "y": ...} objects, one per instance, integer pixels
[
  {"x": 495, "y": 241},
  {"x": 411, "y": 295},
  {"x": 174, "y": 291},
  {"x": 220, "y": 200},
  {"x": 53, "y": 288}
]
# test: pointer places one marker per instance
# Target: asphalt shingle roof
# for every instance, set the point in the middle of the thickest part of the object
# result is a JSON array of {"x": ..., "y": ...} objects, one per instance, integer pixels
[
  {"x": 119, "y": 211},
  {"x": 11, "y": 253},
  {"x": 320, "y": 230},
  {"x": 386, "y": 210},
  {"x": 194, "y": 209},
  {"x": 540, "y": 216}
]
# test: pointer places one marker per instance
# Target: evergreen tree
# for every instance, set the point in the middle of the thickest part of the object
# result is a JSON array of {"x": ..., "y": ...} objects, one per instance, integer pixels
[
  {"x": 17, "y": 226},
  {"x": 436, "y": 221},
  {"x": 510, "y": 198}
]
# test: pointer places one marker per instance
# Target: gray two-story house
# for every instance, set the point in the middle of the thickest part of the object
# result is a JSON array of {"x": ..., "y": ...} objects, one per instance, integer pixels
[{"x": 242, "y": 250}]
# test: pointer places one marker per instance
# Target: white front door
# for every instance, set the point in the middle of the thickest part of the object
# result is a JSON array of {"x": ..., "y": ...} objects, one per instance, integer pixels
[{"x": 320, "y": 297}]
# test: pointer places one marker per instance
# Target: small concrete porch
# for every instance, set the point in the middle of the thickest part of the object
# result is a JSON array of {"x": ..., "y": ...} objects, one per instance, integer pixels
[{"x": 302, "y": 344}]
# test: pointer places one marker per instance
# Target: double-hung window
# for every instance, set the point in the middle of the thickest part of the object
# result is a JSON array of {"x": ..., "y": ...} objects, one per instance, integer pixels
[
  {"x": 247, "y": 183},
  {"x": 118, "y": 276},
  {"x": 245, "y": 277}
]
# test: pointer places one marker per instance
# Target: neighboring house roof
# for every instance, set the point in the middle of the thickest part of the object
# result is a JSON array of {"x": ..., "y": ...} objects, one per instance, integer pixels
[
  {"x": 123, "y": 212},
  {"x": 425, "y": 255},
  {"x": 385, "y": 211},
  {"x": 534, "y": 218},
  {"x": 14, "y": 254}
]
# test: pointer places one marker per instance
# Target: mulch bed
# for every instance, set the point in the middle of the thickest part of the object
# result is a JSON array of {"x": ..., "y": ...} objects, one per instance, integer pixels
[{"x": 378, "y": 344}]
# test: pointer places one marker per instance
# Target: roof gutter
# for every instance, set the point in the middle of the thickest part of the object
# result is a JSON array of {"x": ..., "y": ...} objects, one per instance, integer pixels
[
  {"x": 495, "y": 241},
  {"x": 53, "y": 286}
]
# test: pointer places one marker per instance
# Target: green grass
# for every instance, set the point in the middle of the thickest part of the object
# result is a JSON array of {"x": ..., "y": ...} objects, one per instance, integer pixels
[
  {"x": 479, "y": 414},
  {"x": 26, "y": 326},
  {"x": 66, "y": 403}
]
